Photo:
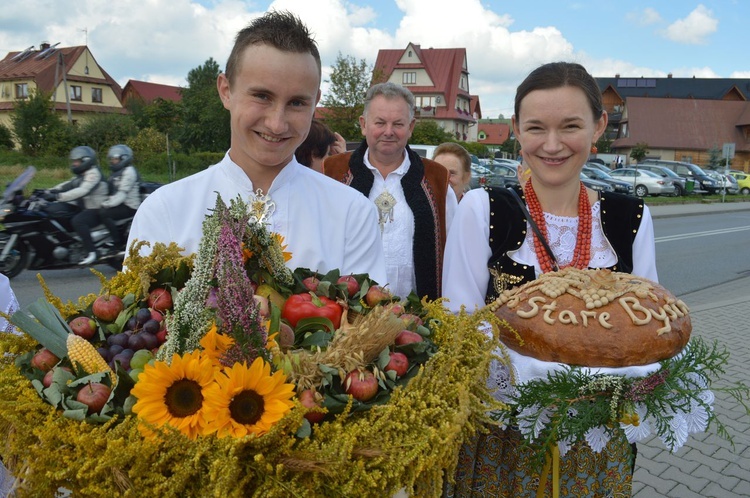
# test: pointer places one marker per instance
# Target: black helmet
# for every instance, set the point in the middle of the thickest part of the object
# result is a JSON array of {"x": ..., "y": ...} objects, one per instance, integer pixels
[
  {"x": 85, "y": 155},
  {"x": 121, "y": 152}
]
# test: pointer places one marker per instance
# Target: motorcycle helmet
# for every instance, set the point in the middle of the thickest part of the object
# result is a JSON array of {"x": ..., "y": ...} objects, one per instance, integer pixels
[
  {"x": 85, "y": 155},
  {"x": 123, "y": 153}
]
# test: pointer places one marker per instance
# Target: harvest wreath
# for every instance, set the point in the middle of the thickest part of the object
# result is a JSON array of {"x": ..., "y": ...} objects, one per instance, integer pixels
[{"x": 227, "y": 374}]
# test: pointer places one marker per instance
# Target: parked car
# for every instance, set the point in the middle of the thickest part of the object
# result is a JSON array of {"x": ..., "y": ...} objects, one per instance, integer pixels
[
  {"x": 689, "y": 171},
  {"x": 508, "y": 172},
  {"x": 680, "y": 182},
  {"x": 424, "y": 150},
  {"x": 481, "y": 177},
  {"x": 508, "y": 162},
  {"x": 597, "y": 185},
  {"x": 620, "y": 186},
  {"x": 645, "y": 182},
  {"x": 743, "y": 181},
  {"x": 723, "y": 181},
  {"x": 599, "y": 166}
]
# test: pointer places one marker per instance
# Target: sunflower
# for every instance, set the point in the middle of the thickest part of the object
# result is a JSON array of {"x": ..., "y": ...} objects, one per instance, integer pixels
[
  {"x": 279, "y": 240},
  {"x": 174, "y": 394},
  {"x": 215, "y": 344},
  {"x": 246, "y": 400}
]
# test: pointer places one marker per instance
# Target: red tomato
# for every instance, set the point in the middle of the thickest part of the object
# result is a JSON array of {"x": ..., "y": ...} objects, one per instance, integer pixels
[{"x": 308, "y": 305}]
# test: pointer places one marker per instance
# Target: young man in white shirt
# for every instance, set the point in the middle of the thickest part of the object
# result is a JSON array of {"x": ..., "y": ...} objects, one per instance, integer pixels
[{"x": 271, "y": 87}]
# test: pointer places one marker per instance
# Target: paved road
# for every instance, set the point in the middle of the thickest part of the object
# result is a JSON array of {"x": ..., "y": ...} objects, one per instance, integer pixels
[{"x": 708, "y": 466}]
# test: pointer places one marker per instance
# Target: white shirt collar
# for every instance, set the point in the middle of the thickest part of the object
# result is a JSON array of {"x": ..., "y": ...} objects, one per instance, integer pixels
[{"x": 400, "y": 171}]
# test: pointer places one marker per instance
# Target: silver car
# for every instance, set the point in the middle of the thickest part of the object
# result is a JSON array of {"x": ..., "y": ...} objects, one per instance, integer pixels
[{"x": 644, "y": 182}]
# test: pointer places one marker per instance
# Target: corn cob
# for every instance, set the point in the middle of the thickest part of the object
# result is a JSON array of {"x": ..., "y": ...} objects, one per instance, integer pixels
[{"x": 82, "y": 352}]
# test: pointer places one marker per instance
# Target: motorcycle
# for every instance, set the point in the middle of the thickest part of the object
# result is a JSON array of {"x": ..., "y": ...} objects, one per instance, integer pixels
[{"x": 32, "y": 239}]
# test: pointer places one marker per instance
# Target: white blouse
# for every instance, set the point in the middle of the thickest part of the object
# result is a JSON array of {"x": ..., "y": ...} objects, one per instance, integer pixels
[{"x": 467, "y": 251}]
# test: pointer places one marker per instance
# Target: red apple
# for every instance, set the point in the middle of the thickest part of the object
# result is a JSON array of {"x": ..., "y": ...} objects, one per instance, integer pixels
[
  {"x": 309, "y": 399},
  {"x": 377, "y": 294},
  {"x": 399, "y": 363},
  {"x": 286, "y": 336},
  {"x": 352, "y": 286},
  {"x": 162, "y": 334},
  {"x": 408, "y": 319},
  {"x": 156, "y": 315},
  {"x": 263, "y": 307},
  {"x": 311, "y": 283},
  {"x": 83, "y": 326},
  {"x": 160, "y": 299},
  {"x": 47, "y": 381},
  {"x": 44, "y": 360},
  {"x": 107, "y": 307},
  {"x": 94, "y": 395},
  {"x": 407, "y": 337},
  {"x": 361, "y": 385},
  {"x": 397, "y": 309}
]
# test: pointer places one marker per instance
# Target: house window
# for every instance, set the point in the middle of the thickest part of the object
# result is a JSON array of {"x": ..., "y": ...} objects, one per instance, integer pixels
[
  {"x": 76, "y": 93},
  {"x": 482, "y": 135},
  {"x": 96, "y": 95},
  {"x": 22, "y": 90},
  {"x": 409, "y": 78}
]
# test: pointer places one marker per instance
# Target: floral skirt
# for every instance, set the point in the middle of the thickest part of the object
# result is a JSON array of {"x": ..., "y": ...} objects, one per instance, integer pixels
[{"x": 496, "y": 464}]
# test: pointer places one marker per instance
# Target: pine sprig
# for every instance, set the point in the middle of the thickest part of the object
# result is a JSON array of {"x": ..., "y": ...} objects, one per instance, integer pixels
[{"x": 570, "y": 402}]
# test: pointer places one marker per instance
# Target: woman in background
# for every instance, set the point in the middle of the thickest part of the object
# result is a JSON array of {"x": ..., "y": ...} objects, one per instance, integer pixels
[
  {"x": 320, "y": 143},
  {"x": 458, "y": 161}
]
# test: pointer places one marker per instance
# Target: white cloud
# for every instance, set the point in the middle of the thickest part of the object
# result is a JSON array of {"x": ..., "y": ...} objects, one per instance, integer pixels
[
  {"x": 162, "y": 40},
  {"x": 644, "y": 17},
  {"x": 694, "y": 29}
]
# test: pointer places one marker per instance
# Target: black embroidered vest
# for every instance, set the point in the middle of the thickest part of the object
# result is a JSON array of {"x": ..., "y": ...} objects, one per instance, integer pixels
[{"x": 620, "y": 215}]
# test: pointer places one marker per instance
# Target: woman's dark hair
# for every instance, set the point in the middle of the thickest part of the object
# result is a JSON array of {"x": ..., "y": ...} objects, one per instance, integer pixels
[
  {"x": 559, "y": 74},
  {"x": 316, "y": 144}
]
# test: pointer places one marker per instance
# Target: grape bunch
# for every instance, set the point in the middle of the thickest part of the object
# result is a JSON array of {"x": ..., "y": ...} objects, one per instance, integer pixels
[{"x": 142, "y": 332}]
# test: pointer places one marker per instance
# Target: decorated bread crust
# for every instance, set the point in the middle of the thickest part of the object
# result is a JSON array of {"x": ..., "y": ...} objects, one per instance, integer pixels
[{"x": 593, "y": 318}]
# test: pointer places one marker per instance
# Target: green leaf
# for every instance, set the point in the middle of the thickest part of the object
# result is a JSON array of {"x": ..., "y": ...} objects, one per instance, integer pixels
[
  {"x": 305, "y": 430},
  {"x": 319, "y": 338},
  {"x": 383, "y": 358},
  {"x": 78, "y": 414},
  {"x": 49, "y": 329}
]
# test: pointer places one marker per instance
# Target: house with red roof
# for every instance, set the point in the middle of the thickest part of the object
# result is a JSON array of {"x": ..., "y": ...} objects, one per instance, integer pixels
[
  {"x": 680, "y": 129},
  {"x": 78, "y": 85},
  {"x": 147, "y": 92},
  {"x": 439, "y": 80},
  {"x": 493, "y": 133}
]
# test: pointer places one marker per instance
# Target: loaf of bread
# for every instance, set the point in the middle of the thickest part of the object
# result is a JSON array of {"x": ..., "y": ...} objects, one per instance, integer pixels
[{"x": 593, "y": 318}]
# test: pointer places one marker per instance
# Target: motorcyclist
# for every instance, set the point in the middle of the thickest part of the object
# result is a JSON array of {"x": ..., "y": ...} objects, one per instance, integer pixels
[
  {"x": 80, "y": 197},
  {"x": 124, "y": 192}
]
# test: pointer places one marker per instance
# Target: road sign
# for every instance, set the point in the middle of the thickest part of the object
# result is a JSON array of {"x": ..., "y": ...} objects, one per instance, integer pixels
[{"x": 728, "y": 151}]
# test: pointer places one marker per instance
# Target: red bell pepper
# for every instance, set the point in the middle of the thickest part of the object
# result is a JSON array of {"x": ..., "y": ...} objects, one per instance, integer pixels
[{"x": 307, "y": 305}]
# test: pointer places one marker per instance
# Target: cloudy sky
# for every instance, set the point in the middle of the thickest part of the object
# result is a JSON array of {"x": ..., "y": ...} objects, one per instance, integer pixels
[{"x": 161, "y": 40}]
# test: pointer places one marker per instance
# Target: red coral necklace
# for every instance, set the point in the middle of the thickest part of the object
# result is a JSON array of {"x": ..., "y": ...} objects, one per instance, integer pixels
[{"x": 582, "y": 253}]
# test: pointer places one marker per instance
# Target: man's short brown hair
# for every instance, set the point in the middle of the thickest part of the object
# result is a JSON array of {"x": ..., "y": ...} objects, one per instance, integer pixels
[{"x": 281, "y": 30}]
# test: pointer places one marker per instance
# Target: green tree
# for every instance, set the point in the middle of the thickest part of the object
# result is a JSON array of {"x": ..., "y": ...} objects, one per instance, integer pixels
[
  {"x": 102, "y": 131},
  {"x": 428, "y": 132},
  {"x": 715, "y": 159},
  {"x": 147, "y": 143},
  {"x": 603, "y": 144},
  {"x": 345, "y": 99},
  {"x": 205, "y": 122},
  {"x": 35, "y": 123},
  {"x": 164, "y": 116},
  {"x": 6, "y": 138},
  {"x": 639, "y": 151}
]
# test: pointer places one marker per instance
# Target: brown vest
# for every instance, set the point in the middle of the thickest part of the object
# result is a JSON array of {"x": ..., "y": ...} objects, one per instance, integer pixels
[{"x": 425, "y": 188}]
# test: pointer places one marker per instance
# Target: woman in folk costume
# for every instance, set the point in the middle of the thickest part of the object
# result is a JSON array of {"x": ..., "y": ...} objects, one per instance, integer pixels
[{"x": 493, "y": 246}]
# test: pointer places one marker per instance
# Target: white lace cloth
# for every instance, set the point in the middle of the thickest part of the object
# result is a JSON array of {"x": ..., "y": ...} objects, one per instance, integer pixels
[{"x": 526, "y": 369}]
